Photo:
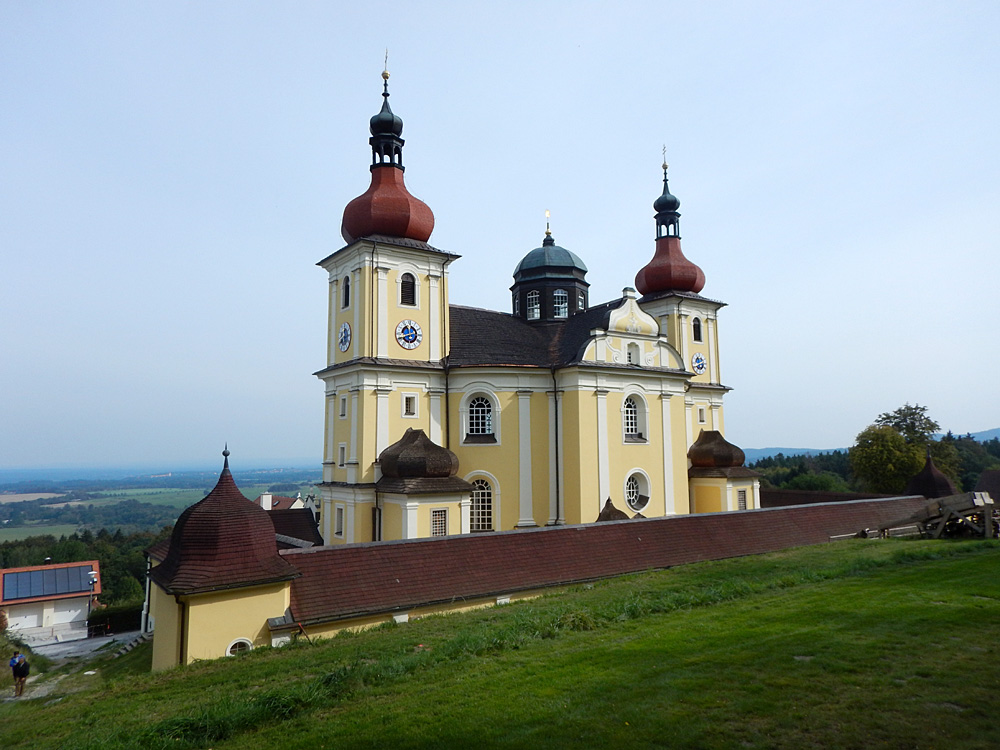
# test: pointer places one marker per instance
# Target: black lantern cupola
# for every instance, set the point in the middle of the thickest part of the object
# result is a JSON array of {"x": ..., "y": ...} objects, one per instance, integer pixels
[
  {"x": 386, "y": 129},
  {"x": 668, "y": 220},
  {"x": 549, "y": 283}
]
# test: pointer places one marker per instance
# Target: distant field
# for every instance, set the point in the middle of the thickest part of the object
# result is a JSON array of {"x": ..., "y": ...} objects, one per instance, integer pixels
[
  {"x": 173, "y": 497},
  {"x": 4, "y": 498},
  {"x": 23, "y": 532}
]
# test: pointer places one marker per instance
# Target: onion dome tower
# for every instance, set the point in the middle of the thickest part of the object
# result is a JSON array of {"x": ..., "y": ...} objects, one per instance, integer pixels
[
  {"x": 387, "y": 208},
  {"x": 549, "y": 283},
  {"x": 224, "y": 541},
  {"x": 669, "y": 270},
  {"x": 930, "y": 482},
  {"x": 712, "y": 451},
  {"x": 415, "y": 464}
]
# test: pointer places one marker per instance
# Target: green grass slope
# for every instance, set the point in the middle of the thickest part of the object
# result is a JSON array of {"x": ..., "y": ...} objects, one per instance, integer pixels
[{"x": 851, "y": 645}]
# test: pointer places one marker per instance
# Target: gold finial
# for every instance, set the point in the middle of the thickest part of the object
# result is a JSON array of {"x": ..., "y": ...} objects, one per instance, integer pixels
[
  {"x": 548, "y": 232},
  {"x": 385, "y": 68},
  {"x": 664, "y": 157}
]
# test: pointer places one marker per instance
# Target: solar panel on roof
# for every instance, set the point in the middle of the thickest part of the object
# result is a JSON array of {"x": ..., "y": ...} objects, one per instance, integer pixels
[{"x": 31, "y": 584}]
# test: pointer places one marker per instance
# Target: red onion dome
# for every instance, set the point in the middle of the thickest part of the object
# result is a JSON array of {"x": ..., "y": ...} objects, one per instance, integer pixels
[{"x": 387, "y": 208}]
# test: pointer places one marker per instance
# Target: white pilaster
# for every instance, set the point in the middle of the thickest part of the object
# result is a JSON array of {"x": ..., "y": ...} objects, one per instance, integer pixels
[
  {"x": 410, "y": 520},
  {"x": 435, "y": 417},
  {"x": 668, "y": 456},
  {"x": 682, "y": 324},
  {"x": 465, "y": 508},
  {"x": 688, "y": 426},
  {"x": 382, "y": 314},
  {"x": 382, "y": 420},
  {"x": 553, "y": 477},
  {"x": 526, "y": 517},
  {"x": 716, "y": 417},
  {"x": 352, "y": 448},
  {"x": 434, "y": 317},
  {"x": 603, "y": 468},
  {"x": 713, "y": 352}
]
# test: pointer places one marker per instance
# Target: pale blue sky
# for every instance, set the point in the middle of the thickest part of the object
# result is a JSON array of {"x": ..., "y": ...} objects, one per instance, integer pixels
[{"x": 173, "y": 171}]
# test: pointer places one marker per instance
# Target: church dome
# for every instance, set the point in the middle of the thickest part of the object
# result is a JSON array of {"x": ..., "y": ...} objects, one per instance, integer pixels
[
  {"x": 223, "y": 541},
  {"x": 387, "y": 208},
  {"x": 415, "y": 456},
  {"x": 712, "y": 451},
  {"x": 668, "y": 270},
  {"x": 547, "y": 259},
  {"x": 930, "y": 482}
]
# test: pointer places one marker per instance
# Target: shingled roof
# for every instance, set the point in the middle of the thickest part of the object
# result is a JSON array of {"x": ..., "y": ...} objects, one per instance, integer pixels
[
  {"x": 356, "y": 580},
  {"x": 224, "y": 541},
  {"x": 298, "y": 523}
]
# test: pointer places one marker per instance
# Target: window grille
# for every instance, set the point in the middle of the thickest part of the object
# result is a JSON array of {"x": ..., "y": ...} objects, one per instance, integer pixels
[
  {"x": 560, "y": 302},
  {"x": 482, "y": 506},
  {"x": 631, "y": 417},
  {"x": 480, "y": 416},
  {"x": 741, "y": 499},
  {"x": 439, "y": 522},
  {"x": 534, "y": 310}
]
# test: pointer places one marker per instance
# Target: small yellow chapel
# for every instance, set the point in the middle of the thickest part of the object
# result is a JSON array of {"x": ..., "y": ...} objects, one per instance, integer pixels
[{"x": 443, "y": 419}]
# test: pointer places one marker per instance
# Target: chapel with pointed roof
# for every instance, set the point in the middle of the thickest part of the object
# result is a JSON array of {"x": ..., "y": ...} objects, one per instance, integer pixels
[{"x": 540, "y": 414}]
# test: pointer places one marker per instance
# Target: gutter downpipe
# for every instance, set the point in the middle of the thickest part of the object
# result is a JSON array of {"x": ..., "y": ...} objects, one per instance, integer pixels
[{"x": 183, "y": 629}]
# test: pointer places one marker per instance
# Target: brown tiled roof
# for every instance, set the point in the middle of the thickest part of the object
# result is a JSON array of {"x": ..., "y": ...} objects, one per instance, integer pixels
[
  {"x": 485, "y": 337},
  {"x": 223, "y": 541},
  {"x": 422, "y": 485},
  {"x": 377, "y": 578},
  {"x": 775, "y": 498},
  {"x": 278, "y": 502},
  {"x": 930, "y": 482},
  {"x": 298, "y": 523},
  {"x": 712, "y": 451}
]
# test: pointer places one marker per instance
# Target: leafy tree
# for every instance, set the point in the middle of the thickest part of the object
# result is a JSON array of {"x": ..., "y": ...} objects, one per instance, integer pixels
[
  {"x": 911, "y": 422},
  {"x": 883, "y": 460},
  {"x": 825, "y": 481}
]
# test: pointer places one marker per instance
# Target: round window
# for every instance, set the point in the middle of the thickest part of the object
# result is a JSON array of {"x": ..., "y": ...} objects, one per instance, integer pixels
[
  {"x": 636, "y": 492},
  {"x": 240, "y": 646}
]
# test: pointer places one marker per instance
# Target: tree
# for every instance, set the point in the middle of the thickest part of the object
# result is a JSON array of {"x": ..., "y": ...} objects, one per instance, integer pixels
[
  {"x": 883, "y": 460},
  {"x": 911, "y": 422}
]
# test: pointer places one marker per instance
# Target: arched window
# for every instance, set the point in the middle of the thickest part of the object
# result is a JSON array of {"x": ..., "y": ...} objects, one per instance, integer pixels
[
  {"x": 637, "y": 491},
  {"x": 533, "y": 307},
  {"x": 239, "y": 646},
  {"x": 480, "y": 428},
  {"x": 407, "y": 289},
  {"x": 482, "y": 506},
  {"x": 634, "y": 420},
  {"x": 696, "y": 329},
  {"x": 346, "y": 297},
  {"x": 560, "y": 303}
]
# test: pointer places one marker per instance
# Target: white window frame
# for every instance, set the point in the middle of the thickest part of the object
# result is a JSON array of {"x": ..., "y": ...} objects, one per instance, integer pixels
[
  {"x": 581, "y": 301},
  {"x": 641, "y": 434},
  {"x": 341, "y": 455},
  {"x": 633, "y": 353},
  {"x": 697, "y": 330},
  {"x": 343, "y": 407},
  {"x": 345, "y": 292},
  {"x": 643, "y": 486},
  {"x": 533, "y": 305},
  {"x": 338, "y": 520},
  {"x": 442, "y": 514},
  {"x": 702, "y": 415},
  {"x": 479, "y": 438},
  {"x": 741, "y": 499},
  {"x": 239, "y": 641},
  {"x": 415, "y": 414},
  {"x": 402, "y": 271},
  {"x": 560, "y": 309},
  {"x": 475, "y": 513}
]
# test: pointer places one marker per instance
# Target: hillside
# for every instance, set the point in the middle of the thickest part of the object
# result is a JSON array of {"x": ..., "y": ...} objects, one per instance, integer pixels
[{"x": 854, "y": 644}]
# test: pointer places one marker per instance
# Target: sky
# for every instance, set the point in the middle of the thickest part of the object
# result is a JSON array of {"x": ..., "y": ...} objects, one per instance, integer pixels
[{"x": 171, "y": 173}]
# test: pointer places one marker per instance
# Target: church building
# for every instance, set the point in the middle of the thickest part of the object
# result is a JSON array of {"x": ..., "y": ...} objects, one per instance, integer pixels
[{"x": 443, "y": 419}]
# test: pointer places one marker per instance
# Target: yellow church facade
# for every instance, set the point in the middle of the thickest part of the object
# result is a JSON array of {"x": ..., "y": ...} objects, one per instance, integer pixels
[{"x": 550, "y": 409}]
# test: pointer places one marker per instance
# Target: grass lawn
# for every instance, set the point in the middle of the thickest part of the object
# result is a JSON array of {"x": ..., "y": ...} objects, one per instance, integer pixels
[{"x": 849, "y": 645}]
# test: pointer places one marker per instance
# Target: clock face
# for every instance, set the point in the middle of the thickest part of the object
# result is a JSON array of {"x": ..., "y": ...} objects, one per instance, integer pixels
[
  {"x": 344, "y": 340},
  {"x": 698, "y": 363},
  {"x": 408, "y": 334}
]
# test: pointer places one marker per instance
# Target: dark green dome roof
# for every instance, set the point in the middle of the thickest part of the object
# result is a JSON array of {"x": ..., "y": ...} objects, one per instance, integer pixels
[{"x": 550, "y": 256}]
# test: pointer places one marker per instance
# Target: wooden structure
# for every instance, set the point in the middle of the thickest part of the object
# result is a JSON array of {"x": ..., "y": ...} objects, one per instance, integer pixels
[{"x": 969, "y": 514}]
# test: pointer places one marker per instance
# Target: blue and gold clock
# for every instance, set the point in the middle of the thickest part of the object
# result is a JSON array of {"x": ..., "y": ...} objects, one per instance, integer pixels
[
  {"x": 344, "y": 340},
  {"x": 408, "y": 334},
  {"x": 698, "y": 363}
]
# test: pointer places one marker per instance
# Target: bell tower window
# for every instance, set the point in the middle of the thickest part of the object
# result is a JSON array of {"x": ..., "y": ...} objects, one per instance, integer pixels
[
  {"x": 534, "y": 307},
  {"x": 560, "y": 303},
  {"x": 345, "y": 300},
  {"x": 408, "y": 290},
  {"x": 696, "y": 329}
]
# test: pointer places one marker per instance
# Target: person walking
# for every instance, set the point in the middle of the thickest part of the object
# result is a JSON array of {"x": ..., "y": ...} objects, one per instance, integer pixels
[
  {"x": 20, "y": 670},
  {"x": 13, "y": 663}
]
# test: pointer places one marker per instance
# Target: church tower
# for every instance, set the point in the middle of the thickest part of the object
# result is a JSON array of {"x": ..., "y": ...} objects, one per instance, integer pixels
[
  {"x": 670, "y": 286},
  {"x": 387, "y": 336}
]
